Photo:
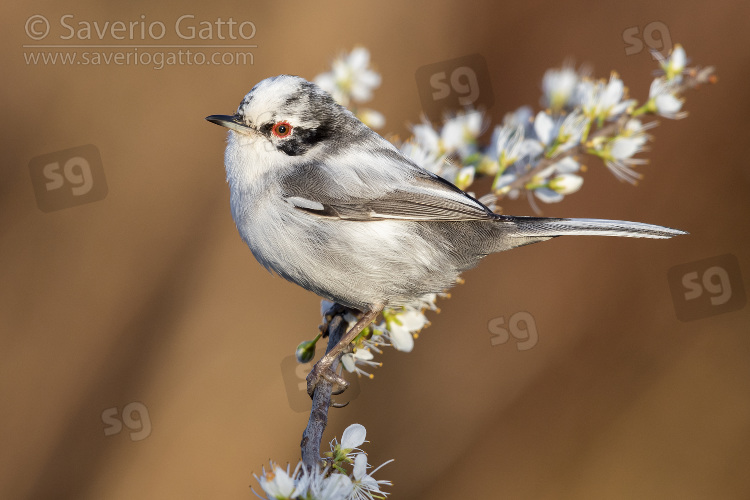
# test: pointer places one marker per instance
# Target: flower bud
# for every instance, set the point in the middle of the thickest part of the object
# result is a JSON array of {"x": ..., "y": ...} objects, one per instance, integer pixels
[
  {"x": 305, "y": 351},
  {"x": 566, "y": 183}
]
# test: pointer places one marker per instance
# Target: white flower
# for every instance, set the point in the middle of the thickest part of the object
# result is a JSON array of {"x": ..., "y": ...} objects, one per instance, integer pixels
[
  {"x": 636, "y": 130},
  {"x": 360, "y": 356},
  {"x": 350, "y": 78},
  {"x": 566, "y": 183},
  {"x": 426, "y": 301},
  {"x": 403, "y": 327},
  {"x": 622, "y": 148},
  {"x": 618, "y": 154},
  {"x": 428, "y": 160},
  {"x": 413, "y": 319},
  {"x": 351, "y": 439},
  {"x": 502, "y": 183},
  {"x": 674, "y": 65},
  {"x": 558, "y": 86},
  {"x": 371, "y": 118},
  {"x": 600, "y": 100},
  {"x": 572, "y": 129},
  {"x": 460, "y": 132},
  {"x": 464, "y": 178},
  {"x": 458, "y": 135},
  {"x": 331, "y": 483},
  {"x": 663, "y": 101},
  {"x": 547, "y": 195},
  {"x": 566, "y": 166},
  {"x": 427, "y": 138},
  {"x": 303, "y": 483},
  {"x": 365, "y": 487},
  {"x": 353, "y": 436},
  {"x": 544, "y": 127},
  {"x": 557, "y": 135},
  {"x": 277, "y": 484},
  {"x": 310, "y": 481},
  {"x": 319, "y": 487},
  {"x": 507, "y": 145},
  {"x": 335, "y": 487},
  {"x": 520, "y": 117},
  {"x": 400, "y": 338}
]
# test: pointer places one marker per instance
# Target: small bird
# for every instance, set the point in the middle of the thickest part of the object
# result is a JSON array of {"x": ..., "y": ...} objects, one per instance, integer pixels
[{"x": 327, "y": 203}]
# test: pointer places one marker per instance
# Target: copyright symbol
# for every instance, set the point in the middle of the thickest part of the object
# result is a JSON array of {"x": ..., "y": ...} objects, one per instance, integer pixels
[{"x": 37, "y": 27}]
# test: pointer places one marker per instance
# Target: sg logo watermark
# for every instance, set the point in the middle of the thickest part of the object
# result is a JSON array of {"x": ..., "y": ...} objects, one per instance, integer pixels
[
  {"x": 521, "y": 326},
  {"x": 453, "y": 85},
  {"x": 707, "y": 287},
  {"x": 295, "y": 382},
  {"x": 134, "y": 416},
  {"x": 655, "y": 34},
  {"x": 68, "y": 178}
]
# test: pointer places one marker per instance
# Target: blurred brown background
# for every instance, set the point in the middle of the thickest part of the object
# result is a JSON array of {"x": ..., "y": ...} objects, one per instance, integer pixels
[{"x": 150, "y": 296}]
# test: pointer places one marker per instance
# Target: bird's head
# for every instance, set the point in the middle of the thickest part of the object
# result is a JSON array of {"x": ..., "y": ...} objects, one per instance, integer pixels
[{"x": 284, "y": 114}]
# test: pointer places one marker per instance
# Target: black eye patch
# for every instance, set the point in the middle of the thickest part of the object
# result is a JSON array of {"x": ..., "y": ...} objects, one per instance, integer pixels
[
  {"x": 301, "y": 139},
  {"x": 265, "y": 129}
]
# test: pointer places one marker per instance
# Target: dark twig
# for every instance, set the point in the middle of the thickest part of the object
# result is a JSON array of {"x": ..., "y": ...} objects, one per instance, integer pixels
[{"x": 316, "y": 425}]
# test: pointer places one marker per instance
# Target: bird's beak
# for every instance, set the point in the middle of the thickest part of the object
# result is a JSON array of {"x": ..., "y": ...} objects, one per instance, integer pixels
[{"x": 233, "y": 122}]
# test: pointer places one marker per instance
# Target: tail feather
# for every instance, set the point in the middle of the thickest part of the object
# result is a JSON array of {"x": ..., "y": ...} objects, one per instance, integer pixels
[{"x": 542, "y": 227}]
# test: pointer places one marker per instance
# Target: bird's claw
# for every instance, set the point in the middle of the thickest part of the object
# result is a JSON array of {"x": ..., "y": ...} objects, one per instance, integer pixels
[{"x": 321, "y": 373}]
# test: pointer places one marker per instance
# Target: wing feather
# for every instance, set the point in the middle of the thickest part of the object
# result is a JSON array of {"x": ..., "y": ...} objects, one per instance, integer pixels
[{"x": 418, "y": 195}]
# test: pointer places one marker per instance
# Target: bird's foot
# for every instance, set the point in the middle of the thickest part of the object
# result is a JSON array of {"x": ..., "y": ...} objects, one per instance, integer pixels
[{"x": 322, "y": 372}]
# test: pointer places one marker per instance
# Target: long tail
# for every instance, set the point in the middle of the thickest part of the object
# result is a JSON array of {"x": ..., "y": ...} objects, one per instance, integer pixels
[
  {"x": 541, "y": 226},
  {"x": 520, "y": 231}
]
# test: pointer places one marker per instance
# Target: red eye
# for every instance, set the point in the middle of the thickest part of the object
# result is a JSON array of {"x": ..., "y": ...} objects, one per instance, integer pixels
[{"x": 282, "y": 129}]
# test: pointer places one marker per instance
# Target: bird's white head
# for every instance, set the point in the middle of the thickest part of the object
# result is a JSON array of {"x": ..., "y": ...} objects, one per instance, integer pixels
[{"x": 281, "y": 120}]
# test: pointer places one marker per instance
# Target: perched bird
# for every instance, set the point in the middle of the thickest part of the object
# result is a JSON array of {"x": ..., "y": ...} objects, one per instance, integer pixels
[{"x": 327, "y": 203}]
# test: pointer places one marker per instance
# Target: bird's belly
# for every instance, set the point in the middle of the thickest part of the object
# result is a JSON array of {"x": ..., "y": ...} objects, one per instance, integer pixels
[{"x": 358, "y": 264}]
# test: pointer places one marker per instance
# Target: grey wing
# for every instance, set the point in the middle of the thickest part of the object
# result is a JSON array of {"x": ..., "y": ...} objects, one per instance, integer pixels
[{"x": 405, "y": 193}]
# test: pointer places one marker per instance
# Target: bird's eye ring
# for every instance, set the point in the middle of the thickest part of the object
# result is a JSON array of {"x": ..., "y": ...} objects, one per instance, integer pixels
[{"x": 282, "y": 129}]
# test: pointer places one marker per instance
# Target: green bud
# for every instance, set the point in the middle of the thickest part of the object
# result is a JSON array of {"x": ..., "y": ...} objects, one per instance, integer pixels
[{"x": 306, "y": 350}]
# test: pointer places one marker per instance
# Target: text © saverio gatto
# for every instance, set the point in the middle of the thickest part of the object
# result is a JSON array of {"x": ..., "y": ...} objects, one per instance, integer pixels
[{"x": 185, "y": 27}]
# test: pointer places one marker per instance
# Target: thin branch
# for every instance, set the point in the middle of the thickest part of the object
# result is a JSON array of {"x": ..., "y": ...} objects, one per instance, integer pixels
[
  {"x": 316, "y": 425},
  {"x": 695, "y": 77}
]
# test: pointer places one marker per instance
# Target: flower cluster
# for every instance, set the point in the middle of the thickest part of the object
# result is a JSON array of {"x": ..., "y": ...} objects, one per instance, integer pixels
[
  {"x": 537, "y": 154},
  {"x": 398, "y": 328},
  {"x": 350, "y": 82},
  {"x": 332, "y": 482},
  {"x": 450, "y": 151},
  {"x": 540, "y": 153}
]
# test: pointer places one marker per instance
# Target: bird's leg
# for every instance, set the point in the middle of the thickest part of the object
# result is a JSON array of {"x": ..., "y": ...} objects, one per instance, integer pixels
[
  {"x": 322, "y": 369},
  {"x": 334, "y": 310}
]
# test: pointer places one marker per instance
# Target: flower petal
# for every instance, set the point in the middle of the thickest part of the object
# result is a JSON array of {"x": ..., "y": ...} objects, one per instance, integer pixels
[
  {"x": 401, "y": 339},
  {"x": 353, "y": 436},
  {"x": 547, "y": 195},
  {"x": 566, "y": 183},
  {"x": 543, "y": 126},
  {"x": 360, "y": 466}
]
